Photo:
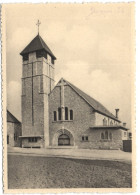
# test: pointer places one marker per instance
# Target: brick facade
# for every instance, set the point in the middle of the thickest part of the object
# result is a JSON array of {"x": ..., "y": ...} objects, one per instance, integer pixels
[
  {"x": 37, "y": 82},
  {"x": 84, "y": 117},
  {"x": 63, "y": 114},
  {"x": 13, "y": 134}
]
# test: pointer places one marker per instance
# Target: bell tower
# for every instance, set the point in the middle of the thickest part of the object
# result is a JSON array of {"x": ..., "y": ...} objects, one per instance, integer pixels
[{"x": 37, "y": 82}]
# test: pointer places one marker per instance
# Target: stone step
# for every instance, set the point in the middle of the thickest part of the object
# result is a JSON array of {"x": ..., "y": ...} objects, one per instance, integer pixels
[{"x": 62, "y": 147}]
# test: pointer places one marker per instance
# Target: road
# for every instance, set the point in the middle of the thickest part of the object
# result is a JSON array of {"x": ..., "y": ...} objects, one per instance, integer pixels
[{"x": 115, "y": 155}]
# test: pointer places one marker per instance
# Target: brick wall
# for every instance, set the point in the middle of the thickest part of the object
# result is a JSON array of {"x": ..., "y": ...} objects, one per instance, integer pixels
[
  {"x": 35, "y": 103},
  {"x": 26, "y": 143},
  {"x": 18, "y": 132},
  {"x": 83, "y": 118},
  {"x": 14, "y": 128},
  {"x": 10, "y": 133},
  {"x": 100, "y": 117}
]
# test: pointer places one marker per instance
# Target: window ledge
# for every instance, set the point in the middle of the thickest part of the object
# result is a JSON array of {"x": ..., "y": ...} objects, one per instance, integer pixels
[
  {"x": 62, "y": 121},
  {"x": 105, "y": 140},
  {"x": 84, "y": 140}
]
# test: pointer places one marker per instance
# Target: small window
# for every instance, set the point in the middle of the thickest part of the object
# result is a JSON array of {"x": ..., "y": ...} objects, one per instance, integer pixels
[
  {"x": 86, "y": 138},
  {"x": 59, "y": 113},
  {"x": 71, "y": 114},
  {"x": 55, "y": 116},
  {"x": 66, "y": 113},
  {"x": 32, "y": 139},
  {"x": 125, "y": 134}
]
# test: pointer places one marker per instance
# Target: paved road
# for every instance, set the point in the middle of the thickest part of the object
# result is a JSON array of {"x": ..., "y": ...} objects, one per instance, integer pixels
[{"x": 116, "y": 155}]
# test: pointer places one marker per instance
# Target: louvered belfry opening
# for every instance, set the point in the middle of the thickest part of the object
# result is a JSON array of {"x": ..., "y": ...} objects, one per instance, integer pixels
[{"x": 41, "y": 53}]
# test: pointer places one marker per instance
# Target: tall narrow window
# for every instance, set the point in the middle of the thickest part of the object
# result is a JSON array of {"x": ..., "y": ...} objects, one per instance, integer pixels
[
  {"x": 106, "y": 134},
  {"x": 104, "y": 122},
  {"x": 66, "y": 113},
  {"x": 7, "y": 139},
  {"x": 55, "y": 116},
  {"x": 71, "y": 114},
  {"x": 102, "y": 135},
  {"x": 86, "y": 138},
  {"x": 59, "y": 113},
  {"x": 15, "y": 137},
  {"x": 29, "y": 139},
  {"x": 35, "y": 139}
]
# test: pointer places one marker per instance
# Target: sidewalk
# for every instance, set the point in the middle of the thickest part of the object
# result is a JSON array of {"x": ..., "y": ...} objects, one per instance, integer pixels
[{"x": 115, "y": 155}]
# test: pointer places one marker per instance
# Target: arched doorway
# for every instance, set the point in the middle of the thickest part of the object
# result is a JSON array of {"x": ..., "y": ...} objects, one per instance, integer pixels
[
  {"x": 63, "y": 140},
  {"x": 63, "y": 137}
]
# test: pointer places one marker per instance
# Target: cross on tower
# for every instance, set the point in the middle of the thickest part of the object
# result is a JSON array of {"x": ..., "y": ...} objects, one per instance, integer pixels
[{"x": 38, "y": 23}]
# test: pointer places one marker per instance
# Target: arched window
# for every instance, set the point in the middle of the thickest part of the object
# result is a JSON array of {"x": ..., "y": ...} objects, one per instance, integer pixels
[
  {"x": 66, "y": 113},
  {"x": 55, "y": 116},
  {"x": 71, "y": 114},
  {"x": 106, "y": 134},
  {"x": 104, "y": 122},
  {"x": 102, "y": 135},
  {"x": 110, "y": 136},
  {"x": 59, "y": 113}
]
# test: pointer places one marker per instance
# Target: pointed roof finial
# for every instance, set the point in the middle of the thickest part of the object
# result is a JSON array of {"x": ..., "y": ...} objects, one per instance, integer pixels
[{"x": 38, "y": 23}]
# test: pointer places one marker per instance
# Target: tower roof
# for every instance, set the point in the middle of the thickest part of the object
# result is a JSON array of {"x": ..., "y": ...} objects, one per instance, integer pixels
[{"x": 37, "y": 44}]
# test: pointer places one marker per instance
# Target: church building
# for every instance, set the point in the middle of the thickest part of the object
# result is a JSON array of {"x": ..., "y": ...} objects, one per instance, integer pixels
[{"x": 62, "y": 115}]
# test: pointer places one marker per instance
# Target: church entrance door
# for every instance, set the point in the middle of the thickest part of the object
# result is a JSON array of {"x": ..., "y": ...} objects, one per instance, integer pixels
[{"x": 63, "y": 140}]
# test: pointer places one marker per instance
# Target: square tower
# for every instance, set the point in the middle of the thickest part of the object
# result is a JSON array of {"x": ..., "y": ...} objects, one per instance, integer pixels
[{"x": 37, "y": 83}]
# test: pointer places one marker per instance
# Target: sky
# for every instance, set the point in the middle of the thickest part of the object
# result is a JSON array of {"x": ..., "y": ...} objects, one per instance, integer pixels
[{"x": 93, "y": 44}]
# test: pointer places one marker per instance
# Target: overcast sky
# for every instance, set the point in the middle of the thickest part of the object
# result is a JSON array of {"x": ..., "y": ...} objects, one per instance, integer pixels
[{"x": 93, "y": 44}]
